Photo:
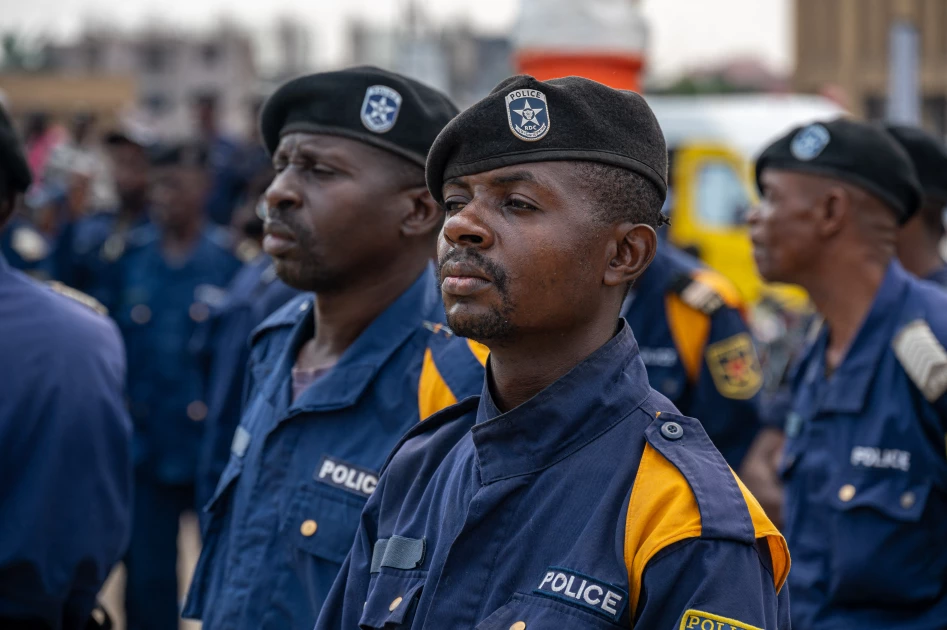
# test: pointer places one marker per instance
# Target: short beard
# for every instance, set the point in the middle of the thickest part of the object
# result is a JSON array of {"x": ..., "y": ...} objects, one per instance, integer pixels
[{"x": 496, "y": 326}]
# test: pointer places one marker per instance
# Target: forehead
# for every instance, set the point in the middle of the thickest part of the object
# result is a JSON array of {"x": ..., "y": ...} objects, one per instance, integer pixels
[
  {"x": 323, "y": 143},
  {"x": 553, "y": 177}
]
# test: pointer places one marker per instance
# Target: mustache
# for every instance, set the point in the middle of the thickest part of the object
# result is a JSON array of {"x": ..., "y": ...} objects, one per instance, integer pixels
[{"x": 476, "y": 259}]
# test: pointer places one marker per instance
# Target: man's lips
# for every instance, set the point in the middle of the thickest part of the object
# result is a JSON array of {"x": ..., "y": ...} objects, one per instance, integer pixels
[
  {"x": 463, "y": 279},
  {"x": 278, "y": 240}
]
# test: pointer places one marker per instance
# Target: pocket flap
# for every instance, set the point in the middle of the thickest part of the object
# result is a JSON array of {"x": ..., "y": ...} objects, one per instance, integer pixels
[
  {"x": 323, "y": 522},
  {"x": 532, "y": 612},
  {"x": 391, "y": 598},
  {"x": 899, "y": 498}
]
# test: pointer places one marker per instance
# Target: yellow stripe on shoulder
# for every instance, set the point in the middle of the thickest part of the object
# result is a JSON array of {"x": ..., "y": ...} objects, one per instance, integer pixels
[
  {"x": 433, "y": 392},
  {"x": 480, "y": 351},
  {"x": 764, "y": 528},
  {"x": 723, "y": 287},
  {"x": 690, "y": 329}
]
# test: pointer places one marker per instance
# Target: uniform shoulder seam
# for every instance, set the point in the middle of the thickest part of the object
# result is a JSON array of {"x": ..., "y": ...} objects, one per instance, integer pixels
[
  {"x": 436, "y": 421},
  {"x": 77, "y": 296}
]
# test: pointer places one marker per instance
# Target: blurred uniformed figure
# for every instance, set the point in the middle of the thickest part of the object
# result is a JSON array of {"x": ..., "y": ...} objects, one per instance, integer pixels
[
  {"x": 695, "y": 343},
  {"x": 334, "y": 381},
  {"x": 25, "y": 248},
  {"x": 920, "y": 238},
  {"x": 864, "y": 467},
  {"x": 65, "y": 452},
  {"x": 223, "y": 340},
  {"x": 170, "y": 276}
]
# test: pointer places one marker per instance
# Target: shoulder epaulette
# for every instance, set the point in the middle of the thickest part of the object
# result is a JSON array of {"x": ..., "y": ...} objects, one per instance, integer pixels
[
  {"x": 78, "y": 296},
  {"x": 706, "y": 291},
  {"x": 923, "y": 357}
]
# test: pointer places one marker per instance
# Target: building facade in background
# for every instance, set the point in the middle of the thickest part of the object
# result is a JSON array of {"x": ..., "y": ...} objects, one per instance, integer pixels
[{"x": 842, "y": 50}]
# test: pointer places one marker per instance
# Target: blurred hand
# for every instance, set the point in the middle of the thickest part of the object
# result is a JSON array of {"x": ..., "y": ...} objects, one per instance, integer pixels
[{"x": 760, "y": 472}]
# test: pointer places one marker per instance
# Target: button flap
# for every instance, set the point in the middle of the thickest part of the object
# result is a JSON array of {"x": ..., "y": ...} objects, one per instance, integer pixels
[
  {"x": 391, "y": 598},
  {"x": 323, "y": 521},
  {"x": 896, "y": 496}
]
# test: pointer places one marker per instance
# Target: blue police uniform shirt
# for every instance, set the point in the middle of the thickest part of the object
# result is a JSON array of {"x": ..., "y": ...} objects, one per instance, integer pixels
[
  {"x": 939, "y": 276},
  {"x": 223, "y": 344},
  {"x": 65, "y": 454},
  {"x": 287, "y": 506},
  {"x": 159, "y": 304},
  {"x": 865, "y": 469},
  {"x": 592, "y": 505},
  {"x": 697, "y": 347}
]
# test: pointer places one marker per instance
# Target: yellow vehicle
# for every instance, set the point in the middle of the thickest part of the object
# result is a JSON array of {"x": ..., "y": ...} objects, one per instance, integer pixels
[{"x": 712, "y": 144}]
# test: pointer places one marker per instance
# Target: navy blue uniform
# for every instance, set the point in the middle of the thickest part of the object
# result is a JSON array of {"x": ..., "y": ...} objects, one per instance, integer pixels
[
  {"x": 592, "y": 505},
  {"x": 939, "y": 276},
  {"x": 224, "y": 344},
  {"x": 159, "y": 304},
  {"x": 287, "y": 506},
  {"x": 697, "y": 348},
  {"x": 65, "y": 454},
  {"x": 865, "y": 469}
]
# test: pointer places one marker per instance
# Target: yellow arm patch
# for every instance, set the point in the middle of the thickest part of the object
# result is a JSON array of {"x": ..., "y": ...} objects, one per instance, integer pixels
[
  {"x": 764, "y": 528},
  {"x": 700, "y": 620},
  {"x": 480, "y": 351},
  {"x": 433, "y": 392},
  {"x": 662, "y": 510},
  {"x": 734, "y": 366},
  {"x": 690, "y": 329}
]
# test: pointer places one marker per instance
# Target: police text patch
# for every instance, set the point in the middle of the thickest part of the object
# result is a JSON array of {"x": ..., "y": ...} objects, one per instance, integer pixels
[
  {"x": 575, "y": 588},
  {"x": 699, "y": 620},
  {"x": 348, "y": 477}
]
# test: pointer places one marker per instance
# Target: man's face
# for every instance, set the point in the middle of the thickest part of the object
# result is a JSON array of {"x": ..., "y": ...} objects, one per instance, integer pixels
[
  {"x": 333, "y": 213},
  {"x": 783, "y": 227},
  {"x": 521, "y": 251},
  {"x": 178, "y": 194},
  {"x": 130, "y": 171}
]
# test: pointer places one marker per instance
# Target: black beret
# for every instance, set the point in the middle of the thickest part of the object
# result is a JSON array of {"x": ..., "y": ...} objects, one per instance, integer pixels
[
  {"x": 12, "y": 161},
  {"x": 928, "y": 155},
  {"x": 380, "y": 108},
  {"x": 855, "y": 152},
  {"x": 187, "y": 154},
  {"x": 525, "y": 120}
]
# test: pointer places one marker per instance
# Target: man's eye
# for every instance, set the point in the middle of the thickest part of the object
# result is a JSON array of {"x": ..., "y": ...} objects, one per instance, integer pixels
[
  {"x": 519, "y": 204},
  {"x": 455, "y": 206},
  {"x": 322, "y": 170}
]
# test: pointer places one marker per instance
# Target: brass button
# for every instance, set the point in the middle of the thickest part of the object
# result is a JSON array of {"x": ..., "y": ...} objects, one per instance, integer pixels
[
  {"x": 395, "y": 604},
  {"x": 308, "y": 528},
  {"x": 199, "y": 311},
  {"x": 907, "y": 500},
  {"x": 519, "y": 625},
  {"x": 197, "y": 410},
  {"x": 141, "y": 314},
  {"x": 847, "y": 492}
]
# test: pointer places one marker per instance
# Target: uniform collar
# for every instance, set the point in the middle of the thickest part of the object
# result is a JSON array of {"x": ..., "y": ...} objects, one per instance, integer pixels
[
  {"x": 848, "y": 387},
  {"x": 594, "y": 396},
  {"x": 344, "y": 384}
]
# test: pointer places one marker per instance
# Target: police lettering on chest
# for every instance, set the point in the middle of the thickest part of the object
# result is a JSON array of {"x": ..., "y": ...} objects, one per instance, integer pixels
[
  {"x": 345, "y": 476},
  {"x": 575, "y": 588}
]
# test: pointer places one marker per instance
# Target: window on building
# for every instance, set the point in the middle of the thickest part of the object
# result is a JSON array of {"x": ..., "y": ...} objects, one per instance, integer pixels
[
  {"x": 156, "y": 104},
  {"x": 721, "y": 198},
  {"x": 210, "y": 54},
  {"x": 154, "y": 58}
]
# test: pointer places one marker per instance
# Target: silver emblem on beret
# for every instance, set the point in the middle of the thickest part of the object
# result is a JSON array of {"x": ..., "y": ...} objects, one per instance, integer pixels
[
  {"x": 528, "y": 114},
  {"x": 380, "y": 108},
  {"x": 809, "y": 142}
]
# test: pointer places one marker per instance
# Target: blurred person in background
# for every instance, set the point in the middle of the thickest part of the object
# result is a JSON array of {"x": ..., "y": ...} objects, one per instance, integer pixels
[
  {"x": 80, "y": 156},
  {"x": 40, "y": 138},
  {"x": 223, "y": 339},
  {"x": 22, "y": 244},
  {"x": 864, "y": 465},
  {"x": 225, "y": 160},
  {"x": 65, "y": 441},
  {"x": 919, "y": 239},
  {"x": 170, "y": 276},
  {"x": 696, "y": 345}
]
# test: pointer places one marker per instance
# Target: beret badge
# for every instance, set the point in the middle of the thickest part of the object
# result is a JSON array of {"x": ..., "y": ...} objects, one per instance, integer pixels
[
  {"x": 809, "y": 143},
  {"x": 528, "y": 114},
  {"x": 380, "y": 108}
]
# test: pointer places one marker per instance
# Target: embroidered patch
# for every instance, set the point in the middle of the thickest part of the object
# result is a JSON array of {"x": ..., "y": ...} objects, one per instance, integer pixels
[
  {"x": 345, "y": 476},
  {"x": 699, "y": 620},
  {"x": 923, "y": 358},
  {"x": 575, "y": 588},
  {"x": 528, "y": 114},
  {"x": 809, "y": 142},
  {"x": 380, "y": 108},
  {"x": 735, "y": 369}
]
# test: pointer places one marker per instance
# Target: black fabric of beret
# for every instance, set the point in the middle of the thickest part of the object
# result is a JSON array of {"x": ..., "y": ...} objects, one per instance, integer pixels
[
  {"x": 13, "y": 163},
  {"x": 854, "y": 152},
  {"x": 928, "y": 155},
  {"x": 187, "y": 154},
  {"x": 380, "y": 108},
  {"x": 526, "y": 120}
]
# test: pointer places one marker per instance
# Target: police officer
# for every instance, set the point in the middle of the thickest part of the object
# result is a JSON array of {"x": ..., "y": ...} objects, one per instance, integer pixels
[
  {"x": 695, "y": 343},
  {"x": 335, "y": 380},
  {"x": 569, "y": 494},
  {"x": 170, "y": 276},
  {"x": 65, "y": 452},
  {"x": 920, "y": 237},
  {"x": 864, "y": 467},
  {"x": 222, "y": 341}
]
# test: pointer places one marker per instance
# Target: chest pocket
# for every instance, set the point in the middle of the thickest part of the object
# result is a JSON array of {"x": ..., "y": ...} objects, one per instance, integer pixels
[
  {"x": 887, "y": 544},
  {"x": 322, "y": 522},
  {"x": 535, "y": 612},
  {"x": 392, "y": 599}
]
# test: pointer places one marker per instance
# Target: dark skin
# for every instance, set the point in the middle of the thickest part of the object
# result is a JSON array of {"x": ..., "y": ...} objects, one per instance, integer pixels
[
  {"x": 529, "y": 270},
  {"x": 130, "y": 169},
  {"x": 178, "y": 194},
  {"x": 351, "y": 223},
  {"x": 919, "y": 239}
]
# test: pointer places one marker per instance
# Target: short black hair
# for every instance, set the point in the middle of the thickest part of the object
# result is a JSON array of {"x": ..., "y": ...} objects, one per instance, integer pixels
[
  {"x": 931, "y": 213},
  {"x": 622, "y": 195}
]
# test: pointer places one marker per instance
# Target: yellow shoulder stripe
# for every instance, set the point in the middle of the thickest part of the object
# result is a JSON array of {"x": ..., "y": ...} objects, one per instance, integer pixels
[
  {"x": 690, "y": 329},
  {"x": 764, "y": 528},
  {"x": 480, "y": 351},
  {"x": 724, "y": 288},
  {"x": 433, "y": 392},
  {"x": 662, "y": 511}
]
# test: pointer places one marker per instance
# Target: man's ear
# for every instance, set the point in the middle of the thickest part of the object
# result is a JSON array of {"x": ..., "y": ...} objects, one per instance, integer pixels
[
  {"x": 629, "y": 253},
  {"x": 423, "y": 215},
  {"x": 834, "y": 211}
]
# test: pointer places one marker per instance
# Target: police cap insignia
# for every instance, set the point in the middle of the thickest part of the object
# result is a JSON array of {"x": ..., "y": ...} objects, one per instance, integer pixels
[
  {"x": 809, "y": 142},
  {"x": 528, "y": 121},
  {"x": 380, "y": 108},
  {"x": 699, "y": 620},
  {"x": 734, "y": 367}
]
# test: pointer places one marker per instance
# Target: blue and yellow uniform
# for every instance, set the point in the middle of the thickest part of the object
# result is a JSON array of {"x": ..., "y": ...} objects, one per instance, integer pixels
[
  {"x": 224, "y": 343},
  {"x": 697, "y": 348},
  {"x": 287, "y": 506},
  {"x": 65, "y": 454},
  {"x": 159, "y": 304},
  {"x": 865, "y": 469},
  {"x": 588, "y": 506}
]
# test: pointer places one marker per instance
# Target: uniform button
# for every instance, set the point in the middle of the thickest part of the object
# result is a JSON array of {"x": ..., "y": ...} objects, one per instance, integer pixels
[
  {"x": 308, "y": 528},
  {"x": 304, "y": 306},
  {"x": 397, "y": 602},
  {"x": 847, "y": 492},
  {"x": 199, "y": 311},
  {"x": 141, "y": 314},
  {"x": 197, "y": 410},
  {"x": 907, "y": 500},
  {"x": 519, "y": 625},
  {"x": 672, "y": 431}
]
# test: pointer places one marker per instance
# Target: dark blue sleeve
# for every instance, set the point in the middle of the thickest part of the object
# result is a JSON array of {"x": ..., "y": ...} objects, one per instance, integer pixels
[{"x": 720, "y": 580}]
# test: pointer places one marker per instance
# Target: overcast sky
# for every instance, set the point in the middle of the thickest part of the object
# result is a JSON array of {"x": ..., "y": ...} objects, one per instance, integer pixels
[{"x": 684, "y": 33}]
